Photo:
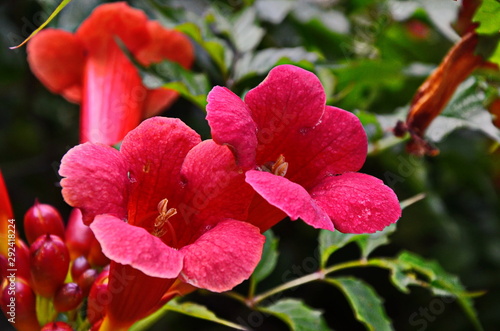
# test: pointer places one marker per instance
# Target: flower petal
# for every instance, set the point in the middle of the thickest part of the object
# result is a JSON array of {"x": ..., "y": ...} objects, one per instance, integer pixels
[
  {"x": 337, "y": 145},
  {"x": 134, "y": 246},
  {"x": 155, "y": 152},
  {"x": 232, "y": 124},
  {"x": 290, "y": 197},
  {"x": 57, "y": 59},
  {"x": 112, "y": 20},
  {"x": 216, "y": 187},
  {"x": 357, "y": 203},
  {"x": 96, "y": 180},
  {"x": 113, "y": 98},
  {"x": 157, "y": 100},
  {"x": 166, "y": 44},
  {"x": 126, "y": 288},
  {"x": 288, "y": 101},
  {"x": 223, "y": 257}
]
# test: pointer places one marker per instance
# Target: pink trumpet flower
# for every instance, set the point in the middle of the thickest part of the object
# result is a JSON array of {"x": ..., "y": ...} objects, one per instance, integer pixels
[
  {"x": 166, "y": 206},
  {"x": 301, "y": 156}
]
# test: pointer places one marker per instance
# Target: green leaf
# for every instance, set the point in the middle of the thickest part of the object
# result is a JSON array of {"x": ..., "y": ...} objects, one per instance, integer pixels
[
  {"x": 269, "y": 257},
  {"x": 273, "y": 11},
  {"x": 371, "y": 124},
  {"x": 488, "y": 46},
  {"x": 465, "y": 110},
  {"x": 246, "y": 35},
  {"x": 487, "y": 16},
  {"x": 440, "y": 282},
  {"x": 260, "y": 62},
  {"x": 368, "y": 242},
  {"x": 360, "y": 82},
  {"x": 365, "y": 302},
  {"x": 330, "y": 241},
  {"x": 401, "y": 276},
  {"x": 186, "y": 308},
  {"x": 297, "y": 315},
  {"x": 213, "y": 46},
  {"x": 190, "y": 85},
  {"x": 51, "y": 17}
]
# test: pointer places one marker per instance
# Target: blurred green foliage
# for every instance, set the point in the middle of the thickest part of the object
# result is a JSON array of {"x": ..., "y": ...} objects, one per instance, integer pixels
[{"x": 371, "y": 56}]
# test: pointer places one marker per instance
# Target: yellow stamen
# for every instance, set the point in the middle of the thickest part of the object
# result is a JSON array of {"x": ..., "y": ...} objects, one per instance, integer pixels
[
  {"x": 278, "y": 168},
  {"x": 162, "y": 219}
]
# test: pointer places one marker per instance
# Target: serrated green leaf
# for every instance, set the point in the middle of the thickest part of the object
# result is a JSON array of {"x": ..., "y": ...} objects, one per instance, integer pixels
[
  {"x": 441, "y": 282},
  {"x": 487, "y": 16},
  {"x": 186, "y": 308},
  {"x": 297, "y": 315},
  {"x": 330, "y": 241},
  {"x": 365, "y": 302},
  {"x": 465, "y": 110},
  {"x": 269, "y": 257},
  {"x": 401, "y": 277}
]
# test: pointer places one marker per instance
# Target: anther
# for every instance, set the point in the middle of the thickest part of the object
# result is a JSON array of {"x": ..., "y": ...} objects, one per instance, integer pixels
[{"x": 280, "y": 167}]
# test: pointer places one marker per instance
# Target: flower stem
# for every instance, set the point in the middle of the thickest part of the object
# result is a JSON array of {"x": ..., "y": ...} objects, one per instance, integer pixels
[
  {"x": 318, "y": 275},
  {"x": 45, "y": 311}
]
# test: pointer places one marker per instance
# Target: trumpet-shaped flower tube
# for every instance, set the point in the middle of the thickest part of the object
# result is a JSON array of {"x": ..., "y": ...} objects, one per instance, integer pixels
[
  {"x": 164, "y": 207},
  {"x": 90, "y": 68},
  {"x": 301, "y": 156}
]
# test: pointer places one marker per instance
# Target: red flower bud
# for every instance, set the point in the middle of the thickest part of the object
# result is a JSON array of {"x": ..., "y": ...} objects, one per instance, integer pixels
[
  {"x": 78, "y": 236},
  {"x": 42, "y": 219},
  {"x": 22, "y": 262},
  {"x": 86, "y": 280},
  {"x": 99, "y": 298},
  {"x": 79, "y": 265},
  {"x": 49, "y": 260},
  {"x": 57, "y": 326},
  {"x": 18, "y": 302},
  {"x": 68, "y": 297}
]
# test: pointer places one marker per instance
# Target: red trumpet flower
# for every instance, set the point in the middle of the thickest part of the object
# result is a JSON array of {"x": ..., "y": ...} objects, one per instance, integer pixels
[
  {"x": 301, "y": 156},
  {"x": 164, "y": 207},
  {"x": 88, "y": 67}
]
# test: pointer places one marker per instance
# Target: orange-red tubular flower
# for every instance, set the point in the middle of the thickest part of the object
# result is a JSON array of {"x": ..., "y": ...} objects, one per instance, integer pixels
[
  {"x": 89, "y": 67},
  {"x": 436, "y": 91}
]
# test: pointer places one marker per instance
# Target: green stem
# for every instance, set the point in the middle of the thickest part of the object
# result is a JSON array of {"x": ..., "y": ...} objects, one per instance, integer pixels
[
  {"x": 251, "y": 289},
  {"x": 318, "y": 275},
  {"x": 45, "y": 311},
  {"x": 385, "y": 143}
]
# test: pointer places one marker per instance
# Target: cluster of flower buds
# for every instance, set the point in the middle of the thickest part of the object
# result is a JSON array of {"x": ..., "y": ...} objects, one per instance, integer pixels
[{"x": 54, "y": 275}]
